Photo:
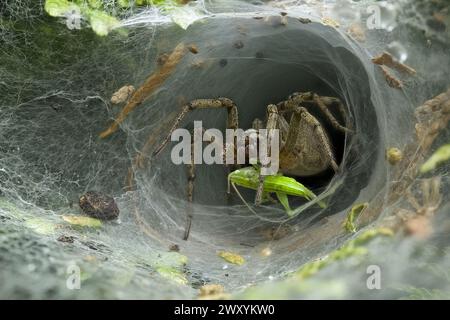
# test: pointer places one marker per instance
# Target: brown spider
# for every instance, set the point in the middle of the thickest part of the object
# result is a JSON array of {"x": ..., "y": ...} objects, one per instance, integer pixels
[{"x": 305, "y": 148}]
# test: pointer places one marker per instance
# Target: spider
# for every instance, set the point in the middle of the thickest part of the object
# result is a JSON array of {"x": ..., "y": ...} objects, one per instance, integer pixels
[{"x": 305, "y": 145}]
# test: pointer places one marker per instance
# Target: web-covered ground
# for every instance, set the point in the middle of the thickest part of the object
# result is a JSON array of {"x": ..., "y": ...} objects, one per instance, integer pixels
[{"x": 56, "y": 86}]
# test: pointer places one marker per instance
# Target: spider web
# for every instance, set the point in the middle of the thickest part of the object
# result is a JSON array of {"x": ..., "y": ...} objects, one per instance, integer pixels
[{"x": 56, "y": 86}]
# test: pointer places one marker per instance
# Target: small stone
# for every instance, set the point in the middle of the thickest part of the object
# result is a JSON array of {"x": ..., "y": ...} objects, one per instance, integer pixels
[
  {"x": 99, "y": 205},
  {"x": 174, "y": 248}
]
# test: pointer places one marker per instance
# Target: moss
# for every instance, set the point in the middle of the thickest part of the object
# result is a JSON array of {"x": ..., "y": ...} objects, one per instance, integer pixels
[{"x": 103, "y": 21}]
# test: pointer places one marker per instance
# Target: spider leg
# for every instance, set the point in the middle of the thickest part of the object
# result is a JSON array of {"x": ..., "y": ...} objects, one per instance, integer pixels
[
  {"x": 190, "y": 194},
  {"x": 232, "y": 119},
  {"x": 190, "y": 186},
  {"x": 330, "y": 101},
  {"x": 323, "y": 103},
  {"x": 324, "y": 108},
  {"x": 272, "y": 124}
]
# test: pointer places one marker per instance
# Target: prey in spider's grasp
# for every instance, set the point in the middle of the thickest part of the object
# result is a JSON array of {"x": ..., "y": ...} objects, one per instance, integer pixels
[
  {"x": 280, "y": 185},
  {"x": 305, "y": 144}
]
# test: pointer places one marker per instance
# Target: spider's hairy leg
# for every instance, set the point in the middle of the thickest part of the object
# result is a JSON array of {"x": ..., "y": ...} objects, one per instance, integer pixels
[
  {"x": 232, "y": 119},
  {"x": 330, "y": 101},
  {"x": 190, "y": 194},
  {"x": 323, "y": 103},
  {"x": 190, "y": 186},
  {"x": 324, "y": 108},
  {"x": 272, "y": 124}
]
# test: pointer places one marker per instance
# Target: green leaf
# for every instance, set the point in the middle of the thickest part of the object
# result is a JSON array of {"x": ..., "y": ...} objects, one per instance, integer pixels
[
  {"x": 101, "y": 22},
  {"x": 124, "y": 3},
  {"x": 58, "y": 8},
  {"x": 440, "y": 156},
  {"x": 96, "y": 4}
]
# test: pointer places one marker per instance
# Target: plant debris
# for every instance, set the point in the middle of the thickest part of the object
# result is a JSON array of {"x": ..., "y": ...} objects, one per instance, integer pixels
[
  {"x": 122, "y": 94},
  {"x": 330, "y": 22},
  {"x": 231, "y": 257},
  {"x": 152, "y": 83},
  {"x": 353, "y": 215},
  {"x": 212, "y": 292},
  {"x": 417, "y": 222},
  {"x": 392, "y": 81},
  {"x": 82, "y": 221},
  {"x": 388, "y": 60},
  {"x": 440, "y": 156}
]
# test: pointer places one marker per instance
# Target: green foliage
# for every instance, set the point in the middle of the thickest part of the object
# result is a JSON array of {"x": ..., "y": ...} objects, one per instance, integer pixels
[
  {"x": 440, "y": 156},
  {"x": 101, "y": 22},
  {"x": 102, "y": 15}
]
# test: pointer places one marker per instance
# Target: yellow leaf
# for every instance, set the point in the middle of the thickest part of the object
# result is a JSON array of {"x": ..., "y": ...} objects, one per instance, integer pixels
[
  {"x": 83, "y": 221},
  {"x": 231, "y": 257}
]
